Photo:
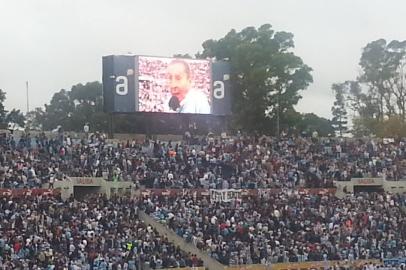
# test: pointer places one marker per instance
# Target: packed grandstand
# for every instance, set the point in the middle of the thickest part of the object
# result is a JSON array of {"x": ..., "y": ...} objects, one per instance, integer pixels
[{"x": 288, "y": 213}]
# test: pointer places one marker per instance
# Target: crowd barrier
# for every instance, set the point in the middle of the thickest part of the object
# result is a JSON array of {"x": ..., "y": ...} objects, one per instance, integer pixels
[
  {"x": 186, "y": 268},
  {"x": 303, "y": 265},
  {"x": 394, "y": 261},
  {"x": 242, "y": 192},
  {"x": 23, "y": 192},
  {"x": 248, "y": 267},
  {"x": 323, "y": 264}
]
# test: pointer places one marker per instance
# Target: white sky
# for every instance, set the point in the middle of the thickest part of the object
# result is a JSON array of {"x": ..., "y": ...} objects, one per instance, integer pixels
[{"x": 55, "y": 44}]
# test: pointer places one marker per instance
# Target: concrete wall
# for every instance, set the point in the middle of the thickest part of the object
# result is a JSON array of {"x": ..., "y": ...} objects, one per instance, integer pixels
[
  {"x": 100, "y": 186},
  {"x": 395, "y": 186},
  {"x": 388, "y": 186}
]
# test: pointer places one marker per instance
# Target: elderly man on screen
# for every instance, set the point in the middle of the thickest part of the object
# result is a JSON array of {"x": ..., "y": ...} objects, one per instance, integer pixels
[{"x": 185, "y": 99}]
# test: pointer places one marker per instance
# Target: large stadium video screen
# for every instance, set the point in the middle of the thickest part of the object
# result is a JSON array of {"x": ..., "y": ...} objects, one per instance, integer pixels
[
  {"x": 174, "y": 85},
  {"x": 165, "y": 85}
]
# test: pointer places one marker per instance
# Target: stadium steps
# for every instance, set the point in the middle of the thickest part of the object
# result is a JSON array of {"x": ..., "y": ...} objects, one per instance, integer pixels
[
  {"x": 339, "y": 190},
  {"x": 209, "y": 262}
]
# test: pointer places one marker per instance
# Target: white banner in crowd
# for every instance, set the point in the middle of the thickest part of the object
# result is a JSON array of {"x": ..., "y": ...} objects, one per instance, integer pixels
[{"x": 224, "y": 195}]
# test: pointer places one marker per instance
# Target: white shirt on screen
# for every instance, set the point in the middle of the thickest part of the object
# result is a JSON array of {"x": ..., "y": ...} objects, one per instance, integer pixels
[{"x": 195, "y": 102}]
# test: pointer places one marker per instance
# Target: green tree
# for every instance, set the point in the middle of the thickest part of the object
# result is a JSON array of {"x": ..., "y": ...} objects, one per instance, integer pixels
[
  {"x": 2, "y": 108},
  {"x": 266, "y": 76},
  {"x": 310, "y": 122},
  {"x": 58, "y": 112},
  {"x": 89, "y": 93},
  {"x": 34, "y": 119},
  {"x": 383, "y": 73},
  {"x": 179, "y": 55},
  {"x": 339, "y": 109},
  {"x": 378, "y": 96},
  {"x": 393, "y": 127},
  {"x": 88, "y": 100},
  {"x": 16, "y": 116},
  {"x": 73, "y": 109}
]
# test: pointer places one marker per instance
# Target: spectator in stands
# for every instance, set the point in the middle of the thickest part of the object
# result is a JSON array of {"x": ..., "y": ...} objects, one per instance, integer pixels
[
  {"x": 288, "y": 227},
  {"x": 97, "y": 233},
  {"x": 234, "y": 162}
]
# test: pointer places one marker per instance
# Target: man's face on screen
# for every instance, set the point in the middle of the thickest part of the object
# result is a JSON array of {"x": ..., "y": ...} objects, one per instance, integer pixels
[{"x": 178, "y": 79}]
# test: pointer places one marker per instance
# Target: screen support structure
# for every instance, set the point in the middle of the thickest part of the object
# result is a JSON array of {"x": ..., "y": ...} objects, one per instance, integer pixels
[{"x": 111, "y": 126}]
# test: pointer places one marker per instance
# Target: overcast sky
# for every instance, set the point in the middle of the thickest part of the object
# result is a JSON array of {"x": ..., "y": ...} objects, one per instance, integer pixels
[{"x": 55, "y": 44}]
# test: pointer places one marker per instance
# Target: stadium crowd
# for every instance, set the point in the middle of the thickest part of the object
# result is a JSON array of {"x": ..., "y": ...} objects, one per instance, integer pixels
[
  {"x": 288, "y": 227},
  {"x": 238, "y": 162},
  {"x": 47, "y": 233},
  {"x": 97, "y": 233}
]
